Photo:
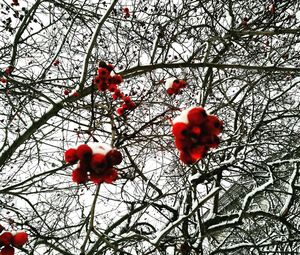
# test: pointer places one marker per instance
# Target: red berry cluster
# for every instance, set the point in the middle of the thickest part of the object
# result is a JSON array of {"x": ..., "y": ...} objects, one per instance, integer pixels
[
  {"x": 105, "y": 81},
  {"x": 174, "y": 86},
  {"x": 195, "y": 133},
  {"x": 96, "y": 163},
  {"x": 10, "y": 240}
]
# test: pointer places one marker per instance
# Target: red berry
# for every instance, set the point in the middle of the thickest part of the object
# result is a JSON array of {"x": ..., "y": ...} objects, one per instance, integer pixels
[
  {"x": 211, "y": 141},
  {"x": 120, "y": 111},
  {"x": 96, "y": 178},
  {"x": 112, "y": 87},
  {"x": 176, "y": 85},
  {"x": 170, "y": 91},
  {"x": 85, "y": 165},
  {"x": 56, "y": 62},
  {"x": 110, "y": 67},
  {"x": 182, "y": 83},
  {"x": 3, "y": 80},
  {"x": 131, "y": 105},
  {"x": 118, "y": 93},
  {"x": 117, "y": 79},
  {"x": 103, "y": 72},
  {"x": 214, "y": 141},
  {"x": 198, "y": 152},
  {"x": 8, "y": 250},
  {"x": 66, "y": 92},
  {"x": 71, "y": 156},
  {"x": 84, "y": 152},
  {"x": 110, "y": 176},
  {"x": 124, "y": 106},
  {"x": 114, "y": 96},
  {"x": 127, "y": 99},
  {"x": 180, "y": 130},
  {"x": 126, "y": 10},
  {"x": 20, "y": 239},
  {"x": 98, "y": 163},
  {"x": 183, "y": 144},
  {"x": 196, "y": 116},
  {"x": 114, "y": 157},
  {"x": 96, "y": 80},
  {"x": 76, "y": 94},
  {"x": 79, "y": 176},
  {"x": 213, "y": 125},
  {"x": 6, "y": 238},
  {"x": 195, "y": 130}
]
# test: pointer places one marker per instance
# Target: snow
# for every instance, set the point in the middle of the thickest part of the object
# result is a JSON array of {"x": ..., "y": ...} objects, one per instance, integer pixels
[
  {"x": 298, "y": 15},
  {"x": 250, "y": 195},
  {"x": 194, "y": 177},
  {"x": 101, "y": 148},
  {"x": 169, "y": 82},
  {"x": 183, "y": 116},
  {"x": 290, "y": 191}
]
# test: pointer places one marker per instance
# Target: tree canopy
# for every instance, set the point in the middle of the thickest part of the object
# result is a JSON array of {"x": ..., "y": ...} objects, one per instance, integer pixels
[{"x": 240, "y": 62}]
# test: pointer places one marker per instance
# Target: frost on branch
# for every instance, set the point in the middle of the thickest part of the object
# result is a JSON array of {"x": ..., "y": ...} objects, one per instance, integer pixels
[
  {"x": 95, "y": 163},
  {"x": 195, "y": 133}
]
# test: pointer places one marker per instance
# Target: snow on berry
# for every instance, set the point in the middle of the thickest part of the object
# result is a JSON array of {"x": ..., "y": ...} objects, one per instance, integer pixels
[
  {"x": 96, "y": 163},
  {"x": 195, "y": 132}
]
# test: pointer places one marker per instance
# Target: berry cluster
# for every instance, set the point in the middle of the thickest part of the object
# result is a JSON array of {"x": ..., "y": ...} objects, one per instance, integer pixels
[
  {"x": 10, "y": 240},
  {"x": 105, "y": 81},
  {"x": 174, "y": 86},
  {"x": 195, "y": 133},
  {"x": 96, "y": 163}
]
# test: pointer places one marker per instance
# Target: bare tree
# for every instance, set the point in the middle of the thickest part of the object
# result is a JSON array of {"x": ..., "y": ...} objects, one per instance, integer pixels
[{"x": 240, "y": 60}]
